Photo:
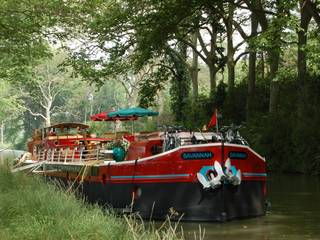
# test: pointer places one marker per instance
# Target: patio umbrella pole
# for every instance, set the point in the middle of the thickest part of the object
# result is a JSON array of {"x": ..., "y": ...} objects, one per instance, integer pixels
[{"x": 132, "y": 127}]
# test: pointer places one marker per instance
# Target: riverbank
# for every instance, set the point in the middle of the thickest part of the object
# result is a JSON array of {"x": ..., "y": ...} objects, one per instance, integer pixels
[{"x": 32, "y": 209}]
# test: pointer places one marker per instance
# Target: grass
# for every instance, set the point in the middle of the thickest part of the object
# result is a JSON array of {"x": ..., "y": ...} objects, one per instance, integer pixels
[{"x": 32, "y": 209}]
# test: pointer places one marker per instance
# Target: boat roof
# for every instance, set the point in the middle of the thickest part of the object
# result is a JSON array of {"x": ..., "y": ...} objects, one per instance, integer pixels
[
  {"x": 69, "y": 125},
  {"x": 103, "y": 116},
  {"x": 133, "y": 112}
]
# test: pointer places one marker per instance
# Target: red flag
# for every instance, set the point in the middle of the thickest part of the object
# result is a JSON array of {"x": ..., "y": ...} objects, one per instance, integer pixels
[{"x": 213, "y": 120}]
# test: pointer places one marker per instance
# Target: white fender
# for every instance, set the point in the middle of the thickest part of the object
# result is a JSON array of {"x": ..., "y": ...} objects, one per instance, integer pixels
[
  {"x": 219, "y": 170},
  {"x": 233, "y": 179},
  {"x": 215, "y": 182},
  {"x": 227, "y": 164},
  {"x": 236, "y": 180},
  {"x": 228, "y": 171},
  {"x": 203, "y": 181}
]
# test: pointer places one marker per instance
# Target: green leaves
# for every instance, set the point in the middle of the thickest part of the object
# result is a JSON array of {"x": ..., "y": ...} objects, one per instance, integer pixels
[
  {"x": 152, "y": 83},
  {"x": 25, "y": 27},
  {"x": 9, "y": 102}
]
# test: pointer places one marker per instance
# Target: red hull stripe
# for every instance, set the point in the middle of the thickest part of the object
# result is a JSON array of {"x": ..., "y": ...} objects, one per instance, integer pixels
[
  {"x": 247, "y": 174},
  {"x": 151, "y": 176}
]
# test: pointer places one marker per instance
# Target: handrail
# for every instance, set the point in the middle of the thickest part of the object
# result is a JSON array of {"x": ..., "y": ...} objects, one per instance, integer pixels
[{"x": 66, "y": 155}]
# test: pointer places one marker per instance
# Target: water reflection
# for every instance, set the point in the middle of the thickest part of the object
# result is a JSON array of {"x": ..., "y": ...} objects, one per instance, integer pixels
[{"x": 294, "y": 214}]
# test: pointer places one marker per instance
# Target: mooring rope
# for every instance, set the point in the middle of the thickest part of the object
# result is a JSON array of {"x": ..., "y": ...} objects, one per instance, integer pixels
[{"x": 83, "y": 173}]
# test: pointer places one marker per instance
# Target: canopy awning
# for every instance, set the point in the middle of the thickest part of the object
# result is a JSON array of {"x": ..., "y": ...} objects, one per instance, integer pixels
[
  {"x": 103, "y": 116},
  {"x": 132, "y": 112}
]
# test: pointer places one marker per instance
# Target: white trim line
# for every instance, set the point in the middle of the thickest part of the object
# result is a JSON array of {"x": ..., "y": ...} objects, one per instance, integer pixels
[{"x": 187, "y": 146}]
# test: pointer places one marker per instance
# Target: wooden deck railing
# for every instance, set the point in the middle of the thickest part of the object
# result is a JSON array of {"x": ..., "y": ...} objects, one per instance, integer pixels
[{"x": 65, "y": 155}]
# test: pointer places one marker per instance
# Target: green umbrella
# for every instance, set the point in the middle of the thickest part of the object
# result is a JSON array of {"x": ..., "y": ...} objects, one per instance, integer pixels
[{"x": 133, "y": 112}]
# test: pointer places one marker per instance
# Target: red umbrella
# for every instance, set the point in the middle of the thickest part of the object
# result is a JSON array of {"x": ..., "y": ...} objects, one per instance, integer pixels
[{"x": 103, "y": 116}]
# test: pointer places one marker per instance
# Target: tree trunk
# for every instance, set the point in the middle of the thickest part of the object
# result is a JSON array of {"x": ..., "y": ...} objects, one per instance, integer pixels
[
  {"x": 231, "y": 79},
  {"x": 256, "y": 6},
  {"x": 305, "y": 19},
  {"x": 212, "y": 60},
  {"x": 230, "y": 59},
  {"x": 262, "y": 67},
  {"x": 301, "y": 61},
  {"x": 2, "y": 132},
  {"x": 161, "y": 102},
  {"x": 252, "y": 70},
  {"x": 251, "y": 84},
  {"x": 209, "y": 56},
  {"x": 312, "y": 9},
  {"x": 48, "y": 117},
  {"x": 194, "y": 69},
  {"x": 212, "y": 74},
  {"x": 274, "y": 58}
]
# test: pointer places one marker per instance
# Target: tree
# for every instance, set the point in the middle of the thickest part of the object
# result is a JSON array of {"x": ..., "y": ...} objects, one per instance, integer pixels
[
  {"x": 26, "y": 27},
  {"x": 180, "y": 83},
  {"x": 51, "y": 86},
  {"x": 232, "y": 23},
  {"x": 132, "y": 35},
  {"x": 272, "y": 29},
  {"x": 305, "y": 18},
  {"x": 9, "y": 106},
  {"x": 252, "y": 68},
  {"x": 194, "y": 67},
  {"x": 313, "y": 9}
]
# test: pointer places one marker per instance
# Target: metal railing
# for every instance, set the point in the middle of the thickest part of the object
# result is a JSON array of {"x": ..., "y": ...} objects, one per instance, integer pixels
[{"x": 77, "y": 154}]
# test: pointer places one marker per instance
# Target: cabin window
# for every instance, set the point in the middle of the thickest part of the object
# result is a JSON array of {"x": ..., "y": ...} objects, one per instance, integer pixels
[{"x": 238, "y": 155}]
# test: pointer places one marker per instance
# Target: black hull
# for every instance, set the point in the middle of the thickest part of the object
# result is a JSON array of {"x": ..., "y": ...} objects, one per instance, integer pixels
[{"x": 189, "y": 200}]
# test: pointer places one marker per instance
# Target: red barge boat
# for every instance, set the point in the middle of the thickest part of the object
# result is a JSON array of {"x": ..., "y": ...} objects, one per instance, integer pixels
[{"x": 198, "y": 176}]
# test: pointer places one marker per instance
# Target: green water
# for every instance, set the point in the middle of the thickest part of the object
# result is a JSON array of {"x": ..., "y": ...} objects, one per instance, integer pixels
[{"x": 294, "y": 214}]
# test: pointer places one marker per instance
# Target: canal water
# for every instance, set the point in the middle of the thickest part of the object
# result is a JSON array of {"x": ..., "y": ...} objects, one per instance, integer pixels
[{"x": 294, "y": 214}]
